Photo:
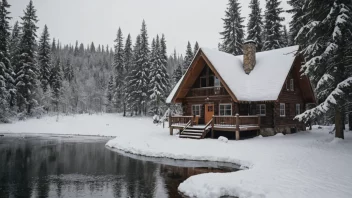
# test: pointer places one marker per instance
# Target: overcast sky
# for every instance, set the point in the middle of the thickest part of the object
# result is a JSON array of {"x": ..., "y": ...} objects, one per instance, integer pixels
[{"x": 98, "y": 20}]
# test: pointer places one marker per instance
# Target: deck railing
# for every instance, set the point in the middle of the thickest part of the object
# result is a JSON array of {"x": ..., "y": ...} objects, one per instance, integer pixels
[
  {"x": 207, "y": 91},
  {"x": 236, "y": 120},
  {"x": 180, "y": 120}
]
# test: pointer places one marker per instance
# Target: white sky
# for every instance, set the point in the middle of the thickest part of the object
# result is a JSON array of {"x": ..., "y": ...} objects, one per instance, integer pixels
[{"x": 98, "y": 20}]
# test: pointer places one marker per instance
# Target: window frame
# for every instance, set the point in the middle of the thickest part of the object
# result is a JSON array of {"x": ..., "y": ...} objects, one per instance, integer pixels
[
  {"x": 215, "y": 80},
  {"x": 298, "y": 109},
  {"x": 284, "y": 110},
  {"x": 224, "y": 104},
  {"x": 259, "y": 107},
  {"x": 287, "y": 85},
  {"x": 292, "y": 85},
  {"x": 200, "y": 109}
]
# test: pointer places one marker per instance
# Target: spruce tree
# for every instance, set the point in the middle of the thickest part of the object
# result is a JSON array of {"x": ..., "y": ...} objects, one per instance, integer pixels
[
  {"x": 272, "y": 27},
  {"x": 26, "y": 80},
  {"x": 188, "y": 58},
  {"x": 118, "y": 66},
  {"x": 284, "y": 37},
  {"x": 110, "y": 94},
  {"x": 298, "y": 20},
  {"x": 128, "y": 55},
  {"x": 56, "y": 78},
  {"x": 326, "y": 42},
  {"x": 177, "y": 75},
  {"x": 44, "y": 59},
  {"x": 164, "y": 64},
  {"x": 255, "y": 24},
  {"x": 195, "y": 49},
  {"x": 233, "y": 33}
]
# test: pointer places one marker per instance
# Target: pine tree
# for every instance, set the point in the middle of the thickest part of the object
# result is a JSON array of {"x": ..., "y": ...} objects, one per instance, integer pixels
[
  {"x": 195, "y": 49},
  {"x": 272, "y": 27},
  {"x": 284, "y": 37},
  {"x": 56, "y": 78},
  {"x": 128, "y": 55},
  {"x": 119, "y": 70},
  {"x": 177, "y": 75},
  {"x": 164, "y": 64},
  {"x": 44, "y": 59},
  {"x": 145, "y": 67},
  {"x": 255, "y": 24},
  {"x": 233, "y": 33},
  {"x": 27, "y": 73},
  {"x": 6, "y": 71},
  {"x": 188, "y": 58},
  {"x": 326, "y": 42},
  {"x": 110, "y": 94},
  {"x": 68, "y": 73},
  {"x": 158, "y": 75},
  {"x": 298, "y": 20}
]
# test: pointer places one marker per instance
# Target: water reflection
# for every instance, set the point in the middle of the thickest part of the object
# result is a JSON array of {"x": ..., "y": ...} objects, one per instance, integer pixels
[{"x": 69, "y": 166}]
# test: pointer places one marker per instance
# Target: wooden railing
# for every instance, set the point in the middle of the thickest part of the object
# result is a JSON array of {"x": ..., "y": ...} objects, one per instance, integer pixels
[
  {"x": 180, "y": 120},
  {"x": 207, "y": 91},
  {"x": 236, "y": 120}
]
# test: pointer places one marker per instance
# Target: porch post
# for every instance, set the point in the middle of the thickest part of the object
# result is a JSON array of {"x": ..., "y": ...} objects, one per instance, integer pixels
[
  {"x": 258, "y": 125},
  {"x": 170, "y": 124},
  {"x": 237, "y": 127},
  {"x": 212, "y": 128}
]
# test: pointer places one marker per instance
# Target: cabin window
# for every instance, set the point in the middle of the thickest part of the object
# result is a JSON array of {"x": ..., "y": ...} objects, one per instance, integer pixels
[
  {"x": 196, "y": 110},
  {"x": 216, "y": 82},
  {"x": 225, "y": 109},
  {"x": 292, "y": 86},
  {"x": 211, "y": 81},
  {"x": 282, "y": 110},
  {"x": 298, "y": 109},
  {"x": 203, "y": 82},
  {"x": 261, "y": 109},
  {"x": 287, "y": 85}
]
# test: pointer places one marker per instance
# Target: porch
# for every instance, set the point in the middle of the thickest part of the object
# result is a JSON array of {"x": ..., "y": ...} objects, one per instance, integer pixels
[{"x": 189, "y": 127}]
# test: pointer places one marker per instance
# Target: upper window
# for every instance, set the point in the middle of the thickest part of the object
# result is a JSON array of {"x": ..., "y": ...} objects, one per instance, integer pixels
[
  {"x": 292, "y": 85},
  {"x": 225, "y": 109},
  {"x": 216, "y": 82},
  {"x": 203, "y": 81},
  {"x": 287, "y": 85},
  {"x": 196, "y": 110},
  {"x": 298, "y": 109},
  {"x": 261, "y": 109},
  {"x": 282, "y": 110}
]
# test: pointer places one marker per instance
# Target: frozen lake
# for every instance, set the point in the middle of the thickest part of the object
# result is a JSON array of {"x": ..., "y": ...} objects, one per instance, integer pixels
[{"x": 81, "y": 166}]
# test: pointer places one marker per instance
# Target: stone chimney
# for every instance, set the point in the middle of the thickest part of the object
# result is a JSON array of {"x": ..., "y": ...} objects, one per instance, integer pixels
[{"x": 249, "y": 59}]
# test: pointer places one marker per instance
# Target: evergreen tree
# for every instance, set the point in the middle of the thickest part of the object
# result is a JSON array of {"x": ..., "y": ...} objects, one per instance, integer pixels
[
  {"x": 233, "y": 33},
  {"x": 284, "y": 36},
  {"x": 110, "y": 94},
  {"x": 158, "y": 75},
  {"x": 164, "y": 64},
  {"x": 195, "y": 49},
  {"x": 326, "y": 42},
  {"x": 44, "y": 59},
  {"x": 27, "y": 73},
  {"x": 255, "y": 24},
  {"x": 188, "y": 58},
  {"x": 68, "y": 73},
  {"x": 298, "y": 20},
  {"x": 177, "y": 75},
  {"x": 56, "y": 78},
  {"x": 272, "y": 27},
  {"x": 119, "y": 70},
  {"x": 128, "y": 55}
]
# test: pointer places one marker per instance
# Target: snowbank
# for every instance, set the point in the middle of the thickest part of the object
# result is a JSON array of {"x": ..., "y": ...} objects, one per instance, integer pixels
[{"x": 306, "y": 164}]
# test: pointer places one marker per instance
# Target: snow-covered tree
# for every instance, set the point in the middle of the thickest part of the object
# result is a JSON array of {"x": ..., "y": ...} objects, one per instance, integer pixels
[
  {"x": 284, "y": 37},
  {"x": 128, "y": 55},
  {"x": 188, "y": 57},
  {"x": 233, "y": 34},
  {"x": 110, "y": 94},
  {"x": 26, "y": 80},
  {"x": 272, "y": 26},
  {"x": 44, "y": 59},
  {"x": 298, "y": 20},
  {"x": 118, "y": 66},
  {"x": 195, "y": 48},
  {"x": 177, "y": 75},
  {"x": 326, "y": 42},
  {"x": 56, "y": 78},
  {"x": 255, "y": 24}
]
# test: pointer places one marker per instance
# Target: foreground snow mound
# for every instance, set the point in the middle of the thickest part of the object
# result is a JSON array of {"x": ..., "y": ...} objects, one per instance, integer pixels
[{"x": 223, "y": 139}]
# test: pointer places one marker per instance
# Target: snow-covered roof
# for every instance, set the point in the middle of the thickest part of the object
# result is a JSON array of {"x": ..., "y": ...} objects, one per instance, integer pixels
[{"x": 263, "y": 83}]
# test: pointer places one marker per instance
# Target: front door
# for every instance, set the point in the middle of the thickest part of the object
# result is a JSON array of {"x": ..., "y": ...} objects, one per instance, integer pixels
[{"x": 209, "y": 112}]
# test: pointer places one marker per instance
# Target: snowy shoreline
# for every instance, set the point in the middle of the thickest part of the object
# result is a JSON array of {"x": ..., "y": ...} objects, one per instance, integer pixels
[{"x": 306, "y": 164}]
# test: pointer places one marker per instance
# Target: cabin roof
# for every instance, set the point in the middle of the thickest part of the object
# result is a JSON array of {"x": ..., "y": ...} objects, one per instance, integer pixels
[{"x": 263, "y": 83}]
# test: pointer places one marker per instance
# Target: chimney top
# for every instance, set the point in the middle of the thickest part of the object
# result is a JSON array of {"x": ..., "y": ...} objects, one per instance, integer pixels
[
  {"x": 249, "y": 41},
  {"x": 249, "y": 56}
]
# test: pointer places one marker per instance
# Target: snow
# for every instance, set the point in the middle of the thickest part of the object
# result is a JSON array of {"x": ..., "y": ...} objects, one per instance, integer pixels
[
  {"x": 305, "y": 164},
  {"x": 223, "y": 139},
  {"x": 264, "y": 83}
]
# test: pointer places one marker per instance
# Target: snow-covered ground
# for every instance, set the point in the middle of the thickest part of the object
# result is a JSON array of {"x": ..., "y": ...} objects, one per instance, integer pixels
[{"x": 306, "y": 164}]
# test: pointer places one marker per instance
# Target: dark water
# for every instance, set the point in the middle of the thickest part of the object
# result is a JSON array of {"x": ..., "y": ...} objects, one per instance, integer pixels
[{"x": 71, "y": 166}]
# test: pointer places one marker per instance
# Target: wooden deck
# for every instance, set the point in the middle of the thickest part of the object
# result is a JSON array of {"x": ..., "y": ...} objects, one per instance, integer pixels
[{"x": 234, "y": 124}]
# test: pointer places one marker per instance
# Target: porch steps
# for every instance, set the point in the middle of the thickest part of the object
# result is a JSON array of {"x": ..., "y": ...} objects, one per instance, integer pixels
[{"x": 192, "y": 133}]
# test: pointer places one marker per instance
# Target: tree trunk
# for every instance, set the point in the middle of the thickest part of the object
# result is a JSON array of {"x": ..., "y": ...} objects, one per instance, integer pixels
[
  {"x": 350, "y": 121},
  {"x": 338, "y": 124}
]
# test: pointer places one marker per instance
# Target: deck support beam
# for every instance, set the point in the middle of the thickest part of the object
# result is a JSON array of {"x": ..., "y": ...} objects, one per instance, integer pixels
[{"x": 237, "y": 126}]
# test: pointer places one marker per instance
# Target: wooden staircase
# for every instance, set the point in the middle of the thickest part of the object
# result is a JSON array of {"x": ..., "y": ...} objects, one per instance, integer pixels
[{"x": 195, "y": 132}]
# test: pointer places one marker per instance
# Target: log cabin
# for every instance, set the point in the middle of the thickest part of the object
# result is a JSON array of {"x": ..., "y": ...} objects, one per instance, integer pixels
[{"x": 260, "y": 92}]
